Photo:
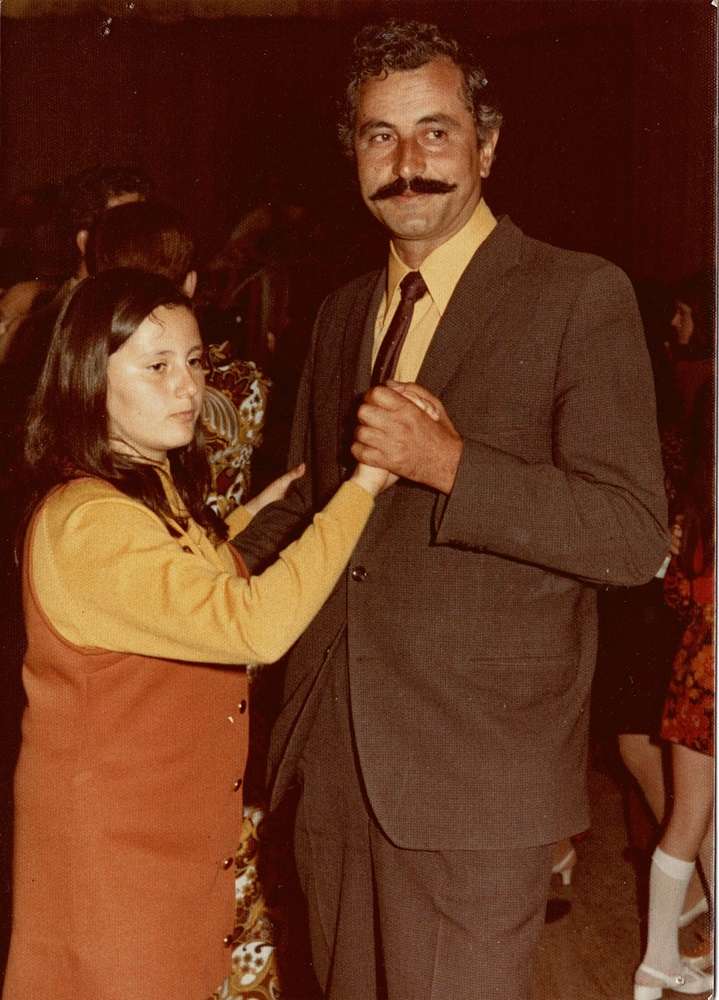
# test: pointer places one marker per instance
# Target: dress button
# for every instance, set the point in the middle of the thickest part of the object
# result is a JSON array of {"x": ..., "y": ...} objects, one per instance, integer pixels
[
  {"x": 237, "y": 784},
  {"x": 359, "y": 573},
  {"x": 186, "y": 548},
  {"x": 227, "y": 863},
  {"x": 227, "y": 940},
  {"x": 242, "y": 706}
]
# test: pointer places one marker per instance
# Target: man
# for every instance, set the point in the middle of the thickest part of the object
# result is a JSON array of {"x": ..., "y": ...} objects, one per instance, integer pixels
[
  {"x": 435, "y": 713},
  {"x": 85, "y": 196},
  {"x": 88, "y": 194}
]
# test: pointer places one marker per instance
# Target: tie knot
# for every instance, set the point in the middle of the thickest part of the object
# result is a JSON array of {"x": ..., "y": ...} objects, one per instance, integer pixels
[{"x": 412, "y": 287}]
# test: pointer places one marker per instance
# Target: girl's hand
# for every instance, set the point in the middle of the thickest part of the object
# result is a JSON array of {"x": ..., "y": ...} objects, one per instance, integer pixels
[
  {"x": 373, "y": 481},
  {"x": 275, "y": 491}
]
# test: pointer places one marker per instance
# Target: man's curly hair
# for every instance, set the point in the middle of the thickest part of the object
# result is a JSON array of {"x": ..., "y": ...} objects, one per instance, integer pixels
[{"x": 380, "y": 49}]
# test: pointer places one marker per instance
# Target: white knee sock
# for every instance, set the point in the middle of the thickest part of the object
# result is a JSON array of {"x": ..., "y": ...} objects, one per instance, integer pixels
[{"x": 668, "y": 881}]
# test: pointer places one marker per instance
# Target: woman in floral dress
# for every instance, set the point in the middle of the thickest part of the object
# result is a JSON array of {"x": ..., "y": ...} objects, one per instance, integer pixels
[{"x": 688, "y": 724}]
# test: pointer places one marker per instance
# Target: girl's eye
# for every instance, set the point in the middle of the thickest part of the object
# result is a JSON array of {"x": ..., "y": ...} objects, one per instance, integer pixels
[
  {"x": 195, "y": 362},
  {"x": 158, "y": 366}
]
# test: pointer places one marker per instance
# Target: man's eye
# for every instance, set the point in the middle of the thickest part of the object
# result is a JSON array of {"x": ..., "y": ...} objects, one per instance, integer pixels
[
  {"x": 436, "y": 134},
  {"x": 380, "y": 138},
  {"x": 196, "y": 362},
  {"x": 158, "y": 366}
]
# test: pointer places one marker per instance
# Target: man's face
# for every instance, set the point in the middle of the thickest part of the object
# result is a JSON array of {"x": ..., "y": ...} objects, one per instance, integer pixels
[{"x": 414, "y": 124}]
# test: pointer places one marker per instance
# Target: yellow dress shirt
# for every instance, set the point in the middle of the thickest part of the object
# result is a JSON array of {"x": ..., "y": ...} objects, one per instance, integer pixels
[{"x": 441, "y": 271}]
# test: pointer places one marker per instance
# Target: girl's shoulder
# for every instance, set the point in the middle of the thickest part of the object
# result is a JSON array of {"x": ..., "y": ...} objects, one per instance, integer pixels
[
  {"x": 69, "y": 499},
  {"x": 84, "y": 489}
]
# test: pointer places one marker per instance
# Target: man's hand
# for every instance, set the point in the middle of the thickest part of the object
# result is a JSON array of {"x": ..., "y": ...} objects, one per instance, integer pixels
[{"x": 403, "y": 428}]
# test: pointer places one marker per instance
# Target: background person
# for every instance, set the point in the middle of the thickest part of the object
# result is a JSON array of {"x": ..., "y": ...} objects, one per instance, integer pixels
[{"x": 688, "y": 724}]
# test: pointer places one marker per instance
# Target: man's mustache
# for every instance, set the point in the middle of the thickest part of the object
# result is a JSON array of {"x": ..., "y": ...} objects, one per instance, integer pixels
[{"x": 419, "y": 185}]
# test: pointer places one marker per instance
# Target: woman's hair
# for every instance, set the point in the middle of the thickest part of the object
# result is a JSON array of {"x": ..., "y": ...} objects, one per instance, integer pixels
[
  {"x": 67, "y": 433},
  {"x": 696, "y": 555},
  {"x": 380, "y": 49},
  {"x": 698, "y": 292}
]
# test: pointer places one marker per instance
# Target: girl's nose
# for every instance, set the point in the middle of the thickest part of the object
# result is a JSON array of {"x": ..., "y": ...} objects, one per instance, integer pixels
[{"x": 189, "y": 383}]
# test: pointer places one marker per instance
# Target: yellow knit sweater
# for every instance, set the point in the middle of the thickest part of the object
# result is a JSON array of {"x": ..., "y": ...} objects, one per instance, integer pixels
[{"x": 108, "y": 575}]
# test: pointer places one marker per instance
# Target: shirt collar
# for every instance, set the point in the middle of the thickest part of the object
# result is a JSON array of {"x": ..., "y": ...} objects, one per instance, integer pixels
[{"x": 443, "y": 268}]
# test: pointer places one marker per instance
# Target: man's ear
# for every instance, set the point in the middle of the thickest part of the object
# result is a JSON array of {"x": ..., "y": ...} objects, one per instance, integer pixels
[
  {"x": 81, "y": 240},
  {"x": 189, "y": 285},
  {"x": 486, "y": 152}
]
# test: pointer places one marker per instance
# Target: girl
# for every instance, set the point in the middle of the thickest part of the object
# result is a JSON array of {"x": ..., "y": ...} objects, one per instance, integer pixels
[{"x": 129, "y": 783}]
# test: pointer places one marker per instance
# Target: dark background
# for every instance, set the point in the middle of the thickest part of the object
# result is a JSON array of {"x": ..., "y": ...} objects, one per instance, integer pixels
[{"x": 608, "y": 144}]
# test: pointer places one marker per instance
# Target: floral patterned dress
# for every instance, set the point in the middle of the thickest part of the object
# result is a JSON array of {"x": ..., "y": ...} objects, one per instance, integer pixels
[
  {"x": 689, "y": 708},
  {"x": 233, "y": 418}
]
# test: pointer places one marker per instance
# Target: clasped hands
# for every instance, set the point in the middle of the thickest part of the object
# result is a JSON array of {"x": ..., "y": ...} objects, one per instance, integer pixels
[{"x": 404, "y": 429}]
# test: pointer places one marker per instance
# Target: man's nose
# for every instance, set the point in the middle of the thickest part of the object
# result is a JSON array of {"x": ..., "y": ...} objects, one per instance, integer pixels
[{"x": 410, "y": 161}]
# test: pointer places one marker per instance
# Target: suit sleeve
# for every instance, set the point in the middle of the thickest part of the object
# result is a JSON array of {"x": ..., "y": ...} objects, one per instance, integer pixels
[
  {"x": 276, "y": 525},
  {"x": 597, "y": 511}
]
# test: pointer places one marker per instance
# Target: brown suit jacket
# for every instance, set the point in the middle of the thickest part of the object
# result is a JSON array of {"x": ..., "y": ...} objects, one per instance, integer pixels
[{"x": 468, "y": 622}]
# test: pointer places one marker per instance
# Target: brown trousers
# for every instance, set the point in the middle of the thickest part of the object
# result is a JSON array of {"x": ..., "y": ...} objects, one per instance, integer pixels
[{"x": 387, "y": 923}]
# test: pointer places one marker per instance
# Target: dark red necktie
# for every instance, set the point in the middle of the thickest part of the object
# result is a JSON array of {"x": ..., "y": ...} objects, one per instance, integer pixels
[{"x": 412, "y": 288}]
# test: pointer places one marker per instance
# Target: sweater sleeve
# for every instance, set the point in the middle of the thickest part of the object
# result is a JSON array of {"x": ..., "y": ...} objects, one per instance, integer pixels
[
  {"x": 108, "y": 575},
  {"x": 238, "y": 520}
]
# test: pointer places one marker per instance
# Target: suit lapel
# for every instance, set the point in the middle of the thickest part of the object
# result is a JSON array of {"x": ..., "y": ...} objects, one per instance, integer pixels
[
  {"x": 358, "y": 371},
  {"x": 356, "y": 356},
  {"x": 485, "y": 281}
]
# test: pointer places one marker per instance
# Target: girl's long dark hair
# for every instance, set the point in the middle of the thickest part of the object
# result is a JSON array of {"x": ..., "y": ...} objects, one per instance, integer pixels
[{"x": 67, "y": 432}]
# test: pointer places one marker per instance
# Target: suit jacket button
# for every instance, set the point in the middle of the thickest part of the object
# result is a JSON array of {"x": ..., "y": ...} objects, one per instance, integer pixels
[
  {"x": 242, "y": 706},
  {"x": 227, "y": 863},
  {"x": 359, "y": 573},
  {"x": 237, "y": 784},
  {"x": 227, "y": 940}
]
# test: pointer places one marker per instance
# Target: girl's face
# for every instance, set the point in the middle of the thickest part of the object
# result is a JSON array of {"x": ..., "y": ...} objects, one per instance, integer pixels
[{"x": 155, "y": 385}]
